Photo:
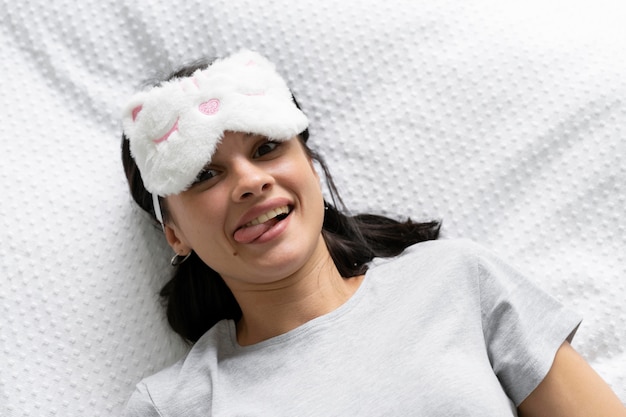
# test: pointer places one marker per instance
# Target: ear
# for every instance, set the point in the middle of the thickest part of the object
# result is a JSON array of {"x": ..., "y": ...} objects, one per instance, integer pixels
[{"x": 176, "y": 239}]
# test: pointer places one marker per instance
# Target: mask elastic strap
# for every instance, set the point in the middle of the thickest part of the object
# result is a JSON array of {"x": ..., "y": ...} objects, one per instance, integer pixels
[{"x": 157, "y": 209}]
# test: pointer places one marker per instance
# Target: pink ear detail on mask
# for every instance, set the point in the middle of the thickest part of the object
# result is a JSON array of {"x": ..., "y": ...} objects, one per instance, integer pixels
[
  {"x": 250, "y": 63},
  {"x": 167, "y": 135},
  {"x": 209, "y": 107},
  {"x": 136, "y": 111}
]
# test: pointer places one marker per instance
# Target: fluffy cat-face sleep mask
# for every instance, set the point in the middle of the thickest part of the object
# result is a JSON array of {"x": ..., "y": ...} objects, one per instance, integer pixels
[{"x": 174, "y": 128}]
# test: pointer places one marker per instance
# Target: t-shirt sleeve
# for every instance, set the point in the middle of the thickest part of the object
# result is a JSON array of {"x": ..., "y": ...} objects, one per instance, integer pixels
[
  {"x": 140, "y": 404},
  {"x": 523, "y": 325}
]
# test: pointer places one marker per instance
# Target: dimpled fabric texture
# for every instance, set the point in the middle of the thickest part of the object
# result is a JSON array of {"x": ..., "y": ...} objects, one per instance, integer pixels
[{"x": 506, "y": 121}]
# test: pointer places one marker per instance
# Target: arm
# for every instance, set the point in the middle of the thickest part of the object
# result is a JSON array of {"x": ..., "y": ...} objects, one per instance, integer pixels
[{"x": 571, "y": 388}]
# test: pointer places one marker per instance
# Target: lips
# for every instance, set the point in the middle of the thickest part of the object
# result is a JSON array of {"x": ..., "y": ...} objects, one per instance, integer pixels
[{"x": 261, "y": 219}]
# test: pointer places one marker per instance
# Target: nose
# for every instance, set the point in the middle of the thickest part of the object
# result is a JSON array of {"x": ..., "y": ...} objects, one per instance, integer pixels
[{"x": 250, "y": 179}]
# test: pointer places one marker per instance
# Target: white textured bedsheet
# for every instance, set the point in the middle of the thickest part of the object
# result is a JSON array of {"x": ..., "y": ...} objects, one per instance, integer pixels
[{"x": 505, "y": 119}]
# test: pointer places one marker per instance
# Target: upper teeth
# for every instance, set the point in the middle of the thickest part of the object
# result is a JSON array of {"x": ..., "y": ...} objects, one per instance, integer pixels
[{"x": 269, "y": 215}]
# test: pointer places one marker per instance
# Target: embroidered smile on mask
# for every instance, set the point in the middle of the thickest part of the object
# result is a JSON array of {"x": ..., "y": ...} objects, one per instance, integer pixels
[{"x": 174, "y": 128}]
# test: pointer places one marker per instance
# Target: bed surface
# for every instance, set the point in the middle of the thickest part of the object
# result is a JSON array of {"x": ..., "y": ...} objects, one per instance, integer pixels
[{"x": 507, "y": 121}]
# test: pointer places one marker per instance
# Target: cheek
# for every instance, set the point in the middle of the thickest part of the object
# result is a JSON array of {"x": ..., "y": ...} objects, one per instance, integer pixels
[
  {"x": 301, "y": 170},
  {"x": 314, "y": 183},
  {"x": 308, "y": 183},
  {"x": 202, "y": 222},
  {"x": 208, "y": 224}
]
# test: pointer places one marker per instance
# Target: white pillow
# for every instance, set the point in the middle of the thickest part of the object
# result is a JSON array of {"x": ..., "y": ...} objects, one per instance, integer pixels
[{"x": 505, "y": 120}]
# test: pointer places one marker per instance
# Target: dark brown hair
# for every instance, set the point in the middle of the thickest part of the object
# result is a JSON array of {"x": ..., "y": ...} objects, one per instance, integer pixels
[{"x": 196, "y": 297}]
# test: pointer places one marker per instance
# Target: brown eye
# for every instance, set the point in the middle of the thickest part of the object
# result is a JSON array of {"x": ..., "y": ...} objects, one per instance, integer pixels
[
  {"x": 265, "y": 148},
  {"x": 205, "y": 175}
]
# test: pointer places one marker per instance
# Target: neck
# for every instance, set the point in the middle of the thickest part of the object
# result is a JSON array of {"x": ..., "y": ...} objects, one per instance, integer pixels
[{"x": 312, "y": 292}]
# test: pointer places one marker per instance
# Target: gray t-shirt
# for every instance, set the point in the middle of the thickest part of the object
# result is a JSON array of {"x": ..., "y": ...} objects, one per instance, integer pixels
[{"x": 445, "y": 329}]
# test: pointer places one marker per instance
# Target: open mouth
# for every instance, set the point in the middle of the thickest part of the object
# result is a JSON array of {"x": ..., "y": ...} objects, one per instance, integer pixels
[
  {"x": 259, "y": 226},
  {"x": 278, "y": 213}
]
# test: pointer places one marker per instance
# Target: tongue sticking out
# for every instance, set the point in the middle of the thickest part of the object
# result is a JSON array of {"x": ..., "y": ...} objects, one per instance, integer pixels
[{"x": 251, "y": 233}]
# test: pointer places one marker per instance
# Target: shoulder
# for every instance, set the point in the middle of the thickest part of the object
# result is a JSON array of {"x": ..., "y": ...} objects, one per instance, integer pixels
[
  {"x": 435, "y": 255},
  {"x": 443, "y": 266},
  {"x": 185, "y": 384},
  {"x": 445, "y": 249},
  {"x": 142, "y": 401},
  {"x": 437, "y": 267}
]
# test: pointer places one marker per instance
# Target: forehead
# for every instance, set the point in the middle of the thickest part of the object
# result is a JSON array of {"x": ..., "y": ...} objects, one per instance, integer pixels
[
  {"x": 232, "y": 140},
  {"x": 233, "y": 143}
]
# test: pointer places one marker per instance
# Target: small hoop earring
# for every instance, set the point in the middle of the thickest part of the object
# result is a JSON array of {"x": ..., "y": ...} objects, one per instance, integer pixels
[{"x": 179, "y": 259}]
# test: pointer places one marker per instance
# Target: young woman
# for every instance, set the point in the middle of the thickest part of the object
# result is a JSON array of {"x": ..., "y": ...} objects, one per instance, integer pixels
[{"x": 295, "y": 308}]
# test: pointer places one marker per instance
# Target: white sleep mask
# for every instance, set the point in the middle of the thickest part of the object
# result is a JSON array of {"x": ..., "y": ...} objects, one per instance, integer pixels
[{"x": 174, "y": 129}]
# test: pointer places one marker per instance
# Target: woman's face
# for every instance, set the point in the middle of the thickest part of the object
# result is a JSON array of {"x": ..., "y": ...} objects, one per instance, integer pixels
[{"x": 255, "y": 214}]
